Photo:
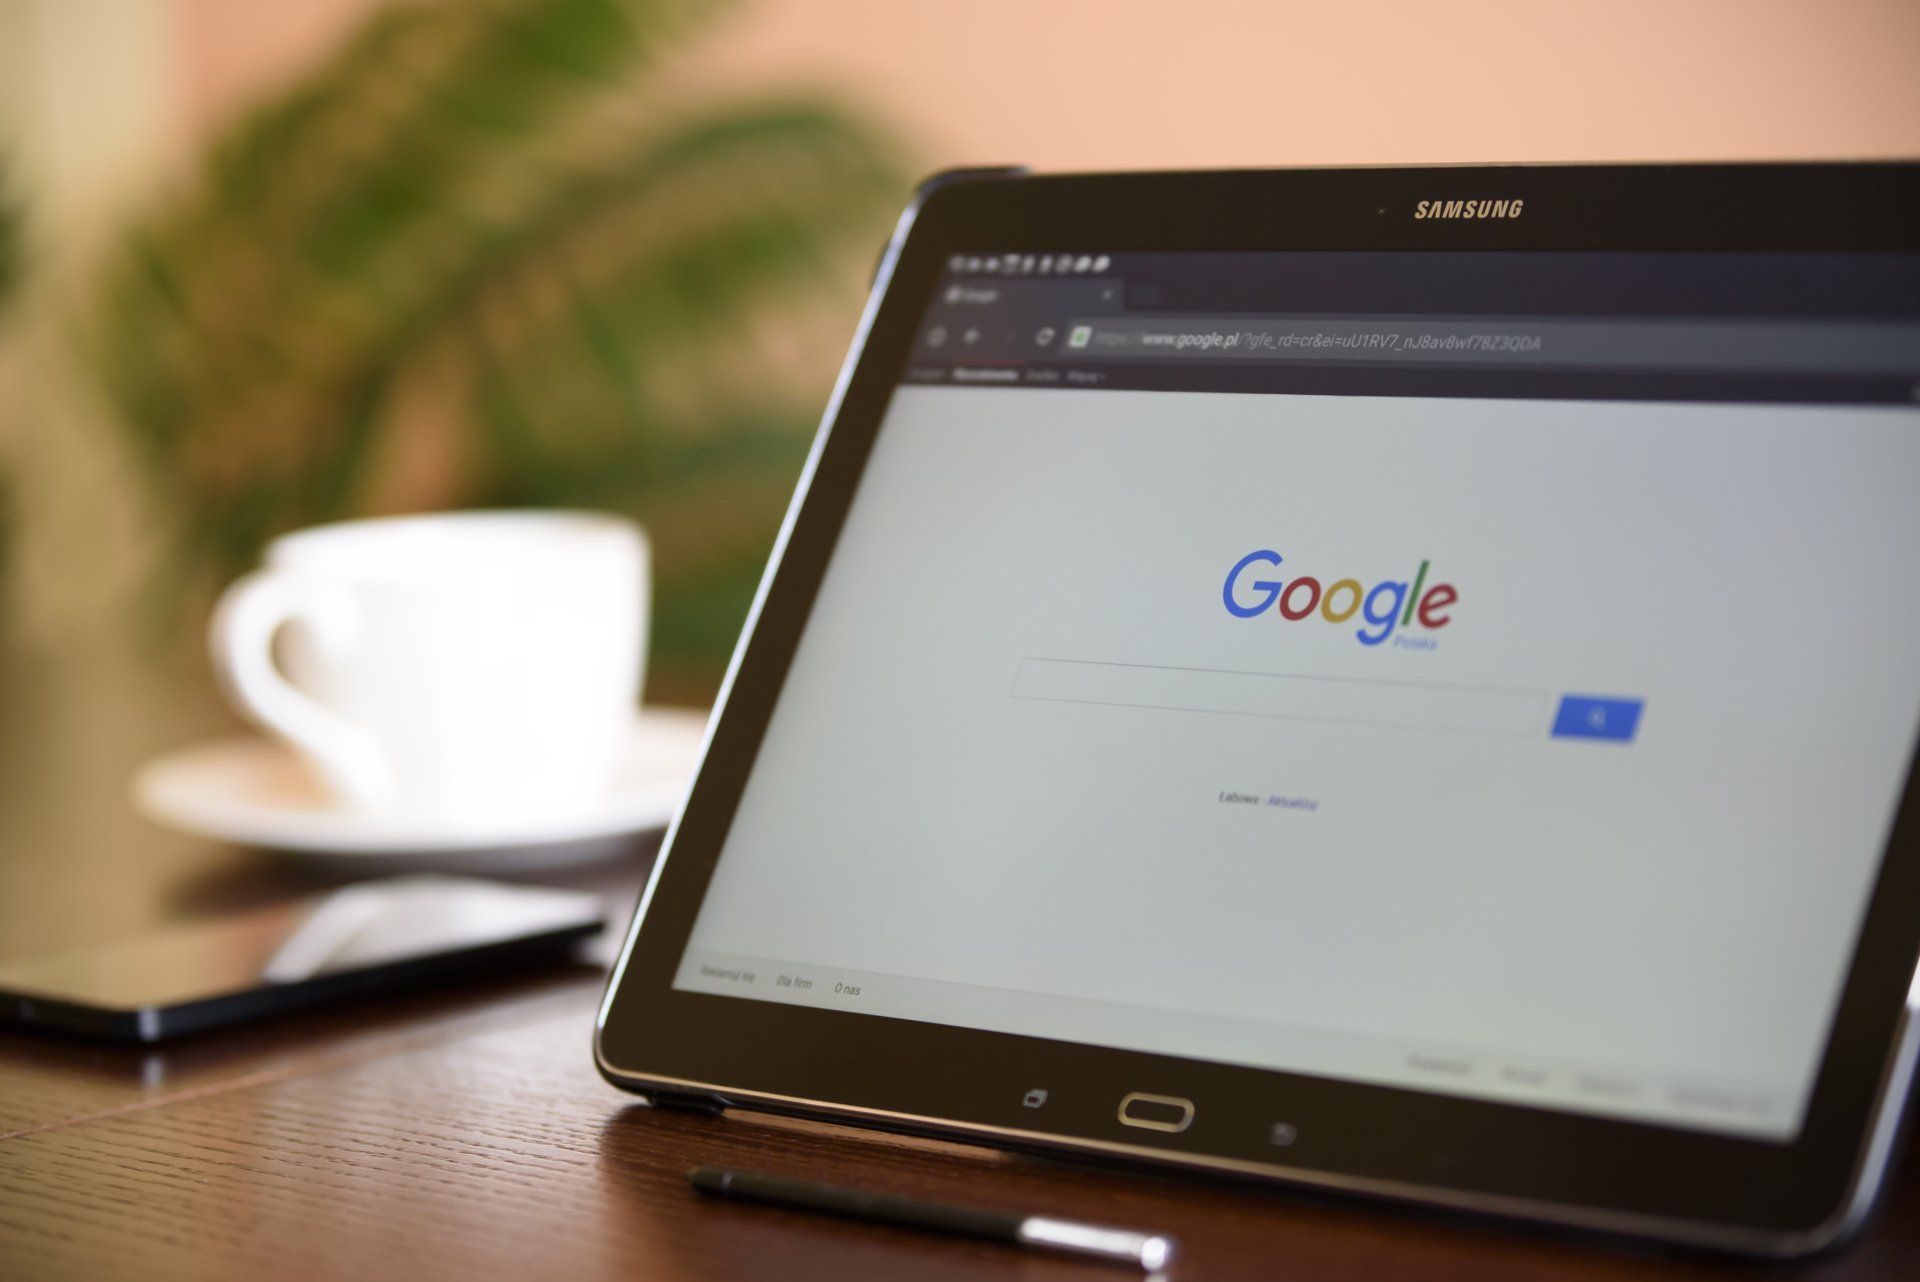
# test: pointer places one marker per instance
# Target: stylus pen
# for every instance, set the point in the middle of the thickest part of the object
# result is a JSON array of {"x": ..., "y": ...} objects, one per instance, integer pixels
[{"x": 1143, "y": 1250}]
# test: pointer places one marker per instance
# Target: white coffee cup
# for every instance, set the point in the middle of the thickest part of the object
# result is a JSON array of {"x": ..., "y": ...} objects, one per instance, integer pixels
[{"x": 453, "y": 669}]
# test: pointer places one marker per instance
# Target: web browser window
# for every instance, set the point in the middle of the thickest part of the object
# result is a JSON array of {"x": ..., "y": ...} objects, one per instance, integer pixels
[{"x": 1491, "y": 675}]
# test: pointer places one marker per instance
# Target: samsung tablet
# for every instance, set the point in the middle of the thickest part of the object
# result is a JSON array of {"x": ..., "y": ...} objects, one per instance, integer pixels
[{"x": 1395, "y": 680}]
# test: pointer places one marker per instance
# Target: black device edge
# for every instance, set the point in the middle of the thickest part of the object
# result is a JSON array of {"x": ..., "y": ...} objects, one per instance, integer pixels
[
  {"x": 155, "y": 1023},
  {"x": 1876, "y": 202}
]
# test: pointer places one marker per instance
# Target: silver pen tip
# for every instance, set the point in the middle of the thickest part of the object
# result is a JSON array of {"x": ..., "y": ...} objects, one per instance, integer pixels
[
  {"x": 1155, "y": 1254},
  {"x": 1150, "y": 1250}
]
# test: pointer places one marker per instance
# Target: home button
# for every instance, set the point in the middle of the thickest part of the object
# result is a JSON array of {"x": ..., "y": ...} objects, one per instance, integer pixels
[{"x": 1156, "y": 1112}]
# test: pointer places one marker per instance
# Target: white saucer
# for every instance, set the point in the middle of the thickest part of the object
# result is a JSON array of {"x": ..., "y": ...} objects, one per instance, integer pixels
[{"x": 255, "y": 792}]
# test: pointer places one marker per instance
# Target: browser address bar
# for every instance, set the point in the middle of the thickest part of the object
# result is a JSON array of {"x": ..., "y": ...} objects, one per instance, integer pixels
[{"x": 1838, "y": 346}]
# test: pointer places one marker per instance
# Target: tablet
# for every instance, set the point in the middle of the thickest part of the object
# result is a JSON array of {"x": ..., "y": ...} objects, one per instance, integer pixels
[{"x": 1402, "y": 681}]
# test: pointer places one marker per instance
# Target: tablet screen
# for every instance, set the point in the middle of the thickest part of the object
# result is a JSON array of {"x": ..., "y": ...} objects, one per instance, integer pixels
[{"x": 1482, "y": 674}]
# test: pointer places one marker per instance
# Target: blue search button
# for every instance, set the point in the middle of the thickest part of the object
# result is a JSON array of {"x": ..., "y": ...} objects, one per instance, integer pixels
[{"x": 1581, "y": 717}]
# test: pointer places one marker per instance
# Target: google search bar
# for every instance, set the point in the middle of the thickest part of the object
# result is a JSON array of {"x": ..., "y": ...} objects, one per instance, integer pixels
[{"x": 1400, "y": 705}]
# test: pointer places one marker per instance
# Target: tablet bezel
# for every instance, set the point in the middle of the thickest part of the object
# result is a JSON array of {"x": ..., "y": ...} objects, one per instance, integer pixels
[{"x": 1706, "y": 1188}]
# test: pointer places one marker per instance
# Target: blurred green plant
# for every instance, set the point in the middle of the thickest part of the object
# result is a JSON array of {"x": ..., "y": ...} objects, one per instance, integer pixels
[{"x": 499, "y": 224}]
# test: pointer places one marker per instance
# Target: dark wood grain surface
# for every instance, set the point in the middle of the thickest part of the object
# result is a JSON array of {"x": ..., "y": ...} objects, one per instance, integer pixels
[
  {"x": 463, "y": 1134},
  {"x": 488, "y": 1148}
]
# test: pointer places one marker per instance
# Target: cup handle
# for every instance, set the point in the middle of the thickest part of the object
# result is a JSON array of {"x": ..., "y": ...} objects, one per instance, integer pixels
[{"x": 250, "y": 614}]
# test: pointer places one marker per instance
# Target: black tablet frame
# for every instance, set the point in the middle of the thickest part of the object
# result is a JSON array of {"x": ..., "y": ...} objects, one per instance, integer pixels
[{"x": 1708, "y": 1189}]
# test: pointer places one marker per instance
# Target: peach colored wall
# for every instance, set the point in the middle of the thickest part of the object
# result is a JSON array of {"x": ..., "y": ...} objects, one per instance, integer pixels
[
  {"x": 1126, "y": 83},
  {"x": 1246, "y": 83},
  {"x": 231, "y": 51}
]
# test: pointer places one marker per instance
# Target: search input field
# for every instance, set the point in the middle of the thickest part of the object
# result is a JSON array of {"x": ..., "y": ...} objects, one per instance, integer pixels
[{"x": 1391, "y": 704}]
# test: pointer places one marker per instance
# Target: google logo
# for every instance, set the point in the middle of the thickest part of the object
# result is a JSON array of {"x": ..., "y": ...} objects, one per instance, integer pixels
[{"x": 1383, "y": 606}]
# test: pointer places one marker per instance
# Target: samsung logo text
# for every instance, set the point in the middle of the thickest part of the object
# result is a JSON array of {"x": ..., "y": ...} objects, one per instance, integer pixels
[{"x": 1468, "y": 209}]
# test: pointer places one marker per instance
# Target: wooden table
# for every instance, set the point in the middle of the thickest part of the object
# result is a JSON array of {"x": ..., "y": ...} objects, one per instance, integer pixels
[{"x": 463, "y": 1134}]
